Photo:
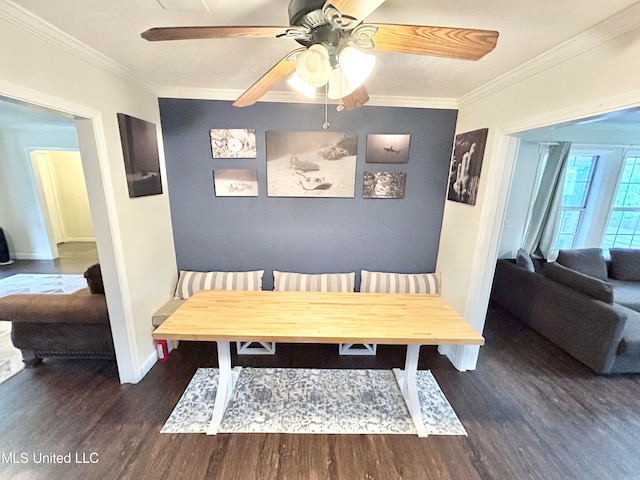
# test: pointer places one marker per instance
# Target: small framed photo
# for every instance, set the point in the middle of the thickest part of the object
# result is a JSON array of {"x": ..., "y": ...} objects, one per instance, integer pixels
[
  {"x": 233, "y": 143},
  {"x": 384, "y": 184},
  {"x": 387, "y": 148},
  {"x": 235, "y": 182}
]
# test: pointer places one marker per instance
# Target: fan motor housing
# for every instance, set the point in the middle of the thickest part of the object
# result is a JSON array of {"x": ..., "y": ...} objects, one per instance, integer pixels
[
  {"x": 299, "y": 9},
  {"x": 309, "y": 14}
]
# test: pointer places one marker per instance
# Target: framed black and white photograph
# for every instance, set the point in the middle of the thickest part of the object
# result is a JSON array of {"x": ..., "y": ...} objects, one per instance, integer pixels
[
  {"x": 466, "y": 164},
  {"x": 235, "y": 182},
  {"x": 141, "y": 159},
  {"x": 384, "y": 184},
  {"x": 233, "y": 143},
  {"x": 387, "y": 148},
  {"x": 311, "y": 164}
]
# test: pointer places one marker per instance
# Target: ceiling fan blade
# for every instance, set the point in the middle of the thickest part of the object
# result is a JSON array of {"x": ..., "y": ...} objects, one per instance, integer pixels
[
  {"x": 355, "y": 8},
  {"x": 462, "y": 43},
  {"x": 356, "y": 99},
  {"x": 277, "y": 73},
  {"x": 194, "y": 33}
]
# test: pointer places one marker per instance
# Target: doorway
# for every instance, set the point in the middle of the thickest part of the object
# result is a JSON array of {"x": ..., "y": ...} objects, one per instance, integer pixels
[{"x": 64, "y": 203}]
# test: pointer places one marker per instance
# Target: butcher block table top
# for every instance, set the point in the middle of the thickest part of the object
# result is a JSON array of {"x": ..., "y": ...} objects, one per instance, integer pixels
[{"x": 318, "y": 317}]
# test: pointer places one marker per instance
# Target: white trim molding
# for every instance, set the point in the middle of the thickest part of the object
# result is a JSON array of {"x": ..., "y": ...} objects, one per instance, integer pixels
[
  {"x": 36, "y": 26},
  {"x": 293, "y": 97},
  {"x": 607, "y": 30}
]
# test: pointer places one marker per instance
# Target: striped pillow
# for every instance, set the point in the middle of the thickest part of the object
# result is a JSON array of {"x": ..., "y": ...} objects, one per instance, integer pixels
[
  {"x": 190, "y": 282},
  {"x": 382, "y": 282},
  {"x": 324, "y": 282}
]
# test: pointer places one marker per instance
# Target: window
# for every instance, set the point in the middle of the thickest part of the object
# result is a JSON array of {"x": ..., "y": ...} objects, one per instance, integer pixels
[
  {"x": 623, "y": 229},
  {"x": 577, "y": 184}
]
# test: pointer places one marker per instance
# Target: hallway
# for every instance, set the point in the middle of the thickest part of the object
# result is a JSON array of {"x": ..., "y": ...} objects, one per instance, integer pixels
[{"x": 75, "y": 257}]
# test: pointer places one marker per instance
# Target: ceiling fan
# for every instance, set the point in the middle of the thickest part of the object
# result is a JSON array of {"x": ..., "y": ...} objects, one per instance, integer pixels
[{"x": 335, "y": 40}]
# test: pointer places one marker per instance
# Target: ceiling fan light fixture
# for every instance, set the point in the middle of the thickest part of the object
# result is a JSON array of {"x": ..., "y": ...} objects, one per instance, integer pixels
[
  {"x": 338, "y": 85},
  {"x": 297, "y": 83},
  {"x": 313, "y": 66},
  {"x": 356, "y": 65}
]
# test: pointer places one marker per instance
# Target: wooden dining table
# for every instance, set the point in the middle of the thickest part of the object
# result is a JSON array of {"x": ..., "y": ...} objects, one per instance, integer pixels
[{"x": 225, "y": 316}]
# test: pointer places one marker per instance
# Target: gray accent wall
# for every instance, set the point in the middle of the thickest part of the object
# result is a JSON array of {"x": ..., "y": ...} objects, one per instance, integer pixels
[{"x": 306, "y": 235}]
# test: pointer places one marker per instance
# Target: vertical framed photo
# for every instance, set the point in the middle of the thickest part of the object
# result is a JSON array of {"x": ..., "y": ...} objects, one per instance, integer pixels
[
  {"x": 141, "y": 159},
  {"x": 311, "y": 164},
  {"x": 466, "y": 164},
  {"x": 384, "y": 184},
  {"x": 387, "y": 148},
  {"x": 233, "y": 142},
  {"x": 235, "y": 182}
]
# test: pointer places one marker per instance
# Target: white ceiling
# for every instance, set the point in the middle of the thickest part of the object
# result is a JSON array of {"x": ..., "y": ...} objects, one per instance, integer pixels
[{"x": 527, "y": 29}]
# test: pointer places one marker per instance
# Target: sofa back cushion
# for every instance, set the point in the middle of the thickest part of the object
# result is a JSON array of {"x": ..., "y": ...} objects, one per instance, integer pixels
[
  {"x": 588, "y": 261},
  {"x": 625, "y": 264},
  {"x": 383, "y": 282},
  {"x": 190, "y": 282},
  {"x": 322, "y": 282},
  {"x": 589, "y": 285}
]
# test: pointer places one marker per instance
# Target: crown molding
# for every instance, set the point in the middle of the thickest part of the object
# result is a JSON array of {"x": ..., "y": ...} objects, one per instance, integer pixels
[
  {"x": 292, "y": 97},
  {"x": 605, "y": 31},
  {"x": 36, "y": 26}
]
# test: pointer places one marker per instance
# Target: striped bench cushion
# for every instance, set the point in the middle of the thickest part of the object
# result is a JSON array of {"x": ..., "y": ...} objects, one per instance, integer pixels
[
  {"x": 190, "y": 282},
  {"x": 324, "y": 282},
  {"x": 382, "y": 282}
]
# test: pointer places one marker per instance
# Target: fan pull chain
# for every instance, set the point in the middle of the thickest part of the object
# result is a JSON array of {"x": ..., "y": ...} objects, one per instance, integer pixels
[
  {"x": 326, "y": 124},
  {"x": 340, "y": 106}
]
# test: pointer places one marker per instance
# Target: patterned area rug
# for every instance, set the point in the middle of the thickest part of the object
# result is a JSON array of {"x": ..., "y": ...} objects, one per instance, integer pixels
[
  {"x": 289, "y": 400},
  {"x": 41, "y": 283},
  {"x": 10, "y": 357}
]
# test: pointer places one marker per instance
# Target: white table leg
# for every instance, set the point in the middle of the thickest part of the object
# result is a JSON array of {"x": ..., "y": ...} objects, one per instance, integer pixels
[
  {"x": 226, "y": 383},
  {"x": 409, "y": 387}
]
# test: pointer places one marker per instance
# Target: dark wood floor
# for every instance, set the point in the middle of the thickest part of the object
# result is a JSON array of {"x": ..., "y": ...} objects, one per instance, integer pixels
[
  {"x": 531, "y": 412},
  {"x": 75, "y": 257}
]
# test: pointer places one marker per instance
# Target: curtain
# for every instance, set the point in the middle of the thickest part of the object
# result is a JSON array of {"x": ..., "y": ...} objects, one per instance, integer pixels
[{"x": 544, "y": 223}]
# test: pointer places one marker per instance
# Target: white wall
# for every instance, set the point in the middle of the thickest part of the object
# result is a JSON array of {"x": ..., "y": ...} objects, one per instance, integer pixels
[
  {"x": 589, "y": 81},
  {"x": 20, "y": 213},
  {"x": 72, "y": 195},
  {"x": 520, "y": 199},
  {"x": 134, "y": 236}
]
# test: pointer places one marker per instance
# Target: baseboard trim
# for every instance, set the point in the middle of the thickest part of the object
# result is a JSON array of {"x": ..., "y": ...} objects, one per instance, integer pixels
[
  {"x": 148, "y": 364},
  {"x": 79, "y": 239},
  {"x": 32, "y": 256}
]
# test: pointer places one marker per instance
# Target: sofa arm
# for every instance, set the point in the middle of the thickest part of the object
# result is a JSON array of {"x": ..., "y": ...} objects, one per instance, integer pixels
[
  {"x": 588, "y": 329},
  {"x": 591, "y": 331},
  {"x": 78, "y": 307}
]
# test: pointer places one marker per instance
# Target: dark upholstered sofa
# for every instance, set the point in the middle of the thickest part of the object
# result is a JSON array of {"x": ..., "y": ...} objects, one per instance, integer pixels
[
  {"x": 587, "y": 306},
  {"x": 72, "y": 325}
]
